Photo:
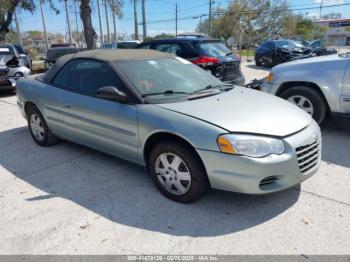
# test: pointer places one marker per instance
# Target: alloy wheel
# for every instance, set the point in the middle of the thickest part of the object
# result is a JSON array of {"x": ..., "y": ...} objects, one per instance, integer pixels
[
  {"x": 173, "y": 173},
  {"x": 37, "y": 127},
  {"x": 303, "y": 103}
]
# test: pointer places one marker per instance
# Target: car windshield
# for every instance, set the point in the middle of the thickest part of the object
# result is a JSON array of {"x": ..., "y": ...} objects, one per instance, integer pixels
[
  {"x": 4, "y": 50},
  {"x": 316, "y": 43},
  {"x": 296, "y": 44},
  {"x": 283, "y": 44},
  {"x": 214, "y": 49},
  {"x": 167, "y": 76}
]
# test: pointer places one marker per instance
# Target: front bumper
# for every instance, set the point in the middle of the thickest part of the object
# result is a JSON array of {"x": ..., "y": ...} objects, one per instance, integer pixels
[
  {"x": 269, "y": 88},
  {"x": 7, "y": 84},
  {"x": 261, "y": 175}
]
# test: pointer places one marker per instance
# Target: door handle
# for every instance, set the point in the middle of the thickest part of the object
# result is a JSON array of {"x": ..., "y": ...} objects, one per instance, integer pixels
[{"x": 67, "y": 106}]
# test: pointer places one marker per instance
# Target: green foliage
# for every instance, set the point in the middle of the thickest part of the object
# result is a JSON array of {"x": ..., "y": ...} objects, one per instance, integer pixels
[
  {"x": 308, "y": 30},
  {"x": 249, "y": 20},
  {"x": 160, "y": 36},
  {"x": 9, "y": 7}
]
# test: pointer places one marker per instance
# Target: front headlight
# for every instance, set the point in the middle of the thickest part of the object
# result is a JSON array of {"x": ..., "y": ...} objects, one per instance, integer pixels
[{"x": 249, "y": 145}]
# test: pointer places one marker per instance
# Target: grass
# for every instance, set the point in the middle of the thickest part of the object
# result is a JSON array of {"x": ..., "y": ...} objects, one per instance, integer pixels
[{"x": 246, "y": 52}]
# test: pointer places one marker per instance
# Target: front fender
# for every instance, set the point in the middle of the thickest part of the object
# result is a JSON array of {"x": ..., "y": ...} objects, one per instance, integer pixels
[
  {"x": 198, "y": 133},
  {"x": 329, "y": 80}
]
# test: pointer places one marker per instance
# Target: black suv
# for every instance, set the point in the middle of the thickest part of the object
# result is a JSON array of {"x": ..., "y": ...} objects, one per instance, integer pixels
[{"x": 210, "y": 54}]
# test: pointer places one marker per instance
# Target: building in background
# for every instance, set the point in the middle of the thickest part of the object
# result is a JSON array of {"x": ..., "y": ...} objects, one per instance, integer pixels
[{"x": 338, "y": 32}]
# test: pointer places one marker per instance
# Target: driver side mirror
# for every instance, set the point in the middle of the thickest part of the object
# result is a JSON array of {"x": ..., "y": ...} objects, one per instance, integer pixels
[{"x": 111, "y": 93}]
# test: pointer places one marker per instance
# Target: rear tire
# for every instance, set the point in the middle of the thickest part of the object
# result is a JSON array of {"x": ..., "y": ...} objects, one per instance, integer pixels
[
  {"x": 257, "y": 61},
  {"x": 38, "y": 128},
  {"x": 178, "y": 172},
  {"x": 307, "y": 99}
]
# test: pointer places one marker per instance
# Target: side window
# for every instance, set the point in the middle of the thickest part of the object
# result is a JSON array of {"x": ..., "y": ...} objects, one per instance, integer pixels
[
  {"x": 147, "y": 46},
  {"x": 62, "y": 79},
  {"x": 175, "y": 49},
  {"x": 163, "y": 48},
  {"x": 86, "y": 76}
]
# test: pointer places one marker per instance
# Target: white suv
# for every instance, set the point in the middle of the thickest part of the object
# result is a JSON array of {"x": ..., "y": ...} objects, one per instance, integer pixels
[{"x": 318, "y": 85}]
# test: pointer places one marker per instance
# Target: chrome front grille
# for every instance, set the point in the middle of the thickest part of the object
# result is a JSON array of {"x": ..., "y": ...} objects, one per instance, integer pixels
[{"x": 309, "y": 155}]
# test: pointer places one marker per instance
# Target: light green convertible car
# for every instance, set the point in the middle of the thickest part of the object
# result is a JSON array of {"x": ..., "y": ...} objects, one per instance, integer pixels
[{"x": 190, "y": 130}]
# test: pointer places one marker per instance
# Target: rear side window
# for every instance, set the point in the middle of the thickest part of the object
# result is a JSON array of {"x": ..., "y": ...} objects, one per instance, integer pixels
[
  {"x": 175, "y": 49},
  {"x": 147, "y": 46},
  {"x": 86, "y": 76},
  {"x": 164, "y": 48}
]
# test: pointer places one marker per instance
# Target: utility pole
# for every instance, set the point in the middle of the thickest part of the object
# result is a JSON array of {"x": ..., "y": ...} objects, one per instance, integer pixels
[
  {"x": 135, "y": 21},
  {"x": 68, "y": 21},
  {"x": 176, "y": 19},
  {"x": 209, "y": 30},
  {"x": 107, "y": 22},
  {"x": 144, "y": 19},
  {"x": 114, "y": 24},
  {"x": 100, "y": 21},
  {"x": 44, "y": 25},
  {"x": 321, "y": 5},
  {"x": 76, "y": 22},
  {"x": 18, "y": 31}
]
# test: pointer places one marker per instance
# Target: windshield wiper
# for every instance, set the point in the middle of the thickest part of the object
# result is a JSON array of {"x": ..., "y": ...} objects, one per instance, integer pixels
[
  {"x": 167, "y": 92},
  {"x": 207, "y": 88}
]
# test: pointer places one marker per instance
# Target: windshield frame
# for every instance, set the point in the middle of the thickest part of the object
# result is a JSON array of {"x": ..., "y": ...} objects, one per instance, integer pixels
[{"x": 161, "y": 98}]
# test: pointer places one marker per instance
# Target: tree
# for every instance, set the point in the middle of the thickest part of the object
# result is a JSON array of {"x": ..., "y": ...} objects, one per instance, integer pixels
[
  {"x": 253, "y": 20},
  {"x": 89, "y": 32},
  {"x": 116, "y": 8},
  {"x": 9, "y": 7},
  {"x": 308, "y": 30},
  {"x": 289, "y": 25}
]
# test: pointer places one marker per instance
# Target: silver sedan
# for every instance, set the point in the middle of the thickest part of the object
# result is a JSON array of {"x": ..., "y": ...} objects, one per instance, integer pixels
[{"x": 190, "y": 130}]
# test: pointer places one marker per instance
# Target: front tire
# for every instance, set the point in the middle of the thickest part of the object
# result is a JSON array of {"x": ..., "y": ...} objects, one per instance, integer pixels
[
  {"x": 307, "y": 99},
  {"x": 178, "y": 172},
  {"x": 38, "y": 128}
]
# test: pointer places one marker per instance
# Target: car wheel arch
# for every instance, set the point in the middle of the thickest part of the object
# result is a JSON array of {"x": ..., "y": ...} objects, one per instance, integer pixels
[
  {"x": 28, "y": 105},
  {"x": 283, "y": 87},
  {"x": 158, "y": 137}
]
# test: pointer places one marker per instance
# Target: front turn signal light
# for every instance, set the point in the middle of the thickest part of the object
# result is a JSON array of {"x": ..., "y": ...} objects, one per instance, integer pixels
[
  {"x": 226, "y": 146},
  {"x": 269, "y": 78}
]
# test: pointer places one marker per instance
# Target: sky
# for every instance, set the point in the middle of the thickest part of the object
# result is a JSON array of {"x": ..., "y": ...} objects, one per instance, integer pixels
[{"x": 156, "y": 10}]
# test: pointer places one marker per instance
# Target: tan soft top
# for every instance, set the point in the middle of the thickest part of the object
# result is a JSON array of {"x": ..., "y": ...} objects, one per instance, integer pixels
[{"x": 108, "y": 55}]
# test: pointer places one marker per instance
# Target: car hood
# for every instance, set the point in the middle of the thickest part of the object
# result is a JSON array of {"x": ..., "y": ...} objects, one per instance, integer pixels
[
  {"x": 312, "y": 60},
  {"x": 5, "y": 58},
  {"x": 244, "y": 110}
]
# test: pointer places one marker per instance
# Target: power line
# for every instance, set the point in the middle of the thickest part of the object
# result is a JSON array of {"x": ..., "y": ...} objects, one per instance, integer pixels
[{"x": 245, "y": 12}]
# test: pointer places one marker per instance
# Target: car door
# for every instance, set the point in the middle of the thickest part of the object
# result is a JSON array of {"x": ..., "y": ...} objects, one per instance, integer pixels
[
  {"x": 106, "y": 125},
  {"x": 345, "y": 96},
  {"x": 267, "y": 52}
]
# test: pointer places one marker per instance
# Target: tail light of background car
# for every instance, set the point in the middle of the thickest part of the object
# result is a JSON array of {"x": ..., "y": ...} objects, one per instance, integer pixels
[{"x": 206, "y": 61}]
